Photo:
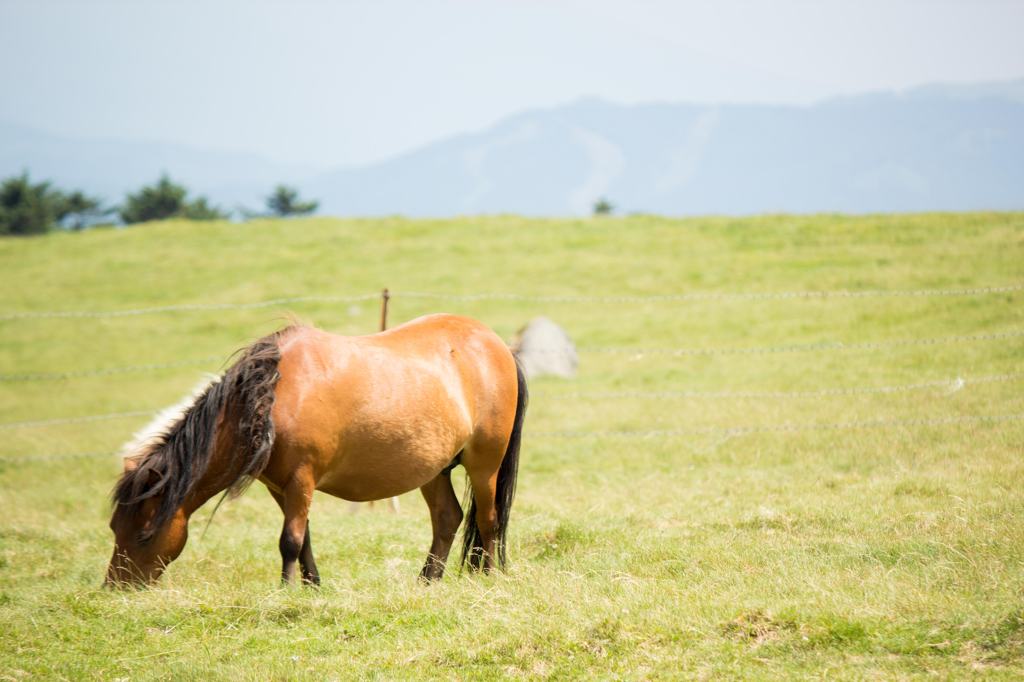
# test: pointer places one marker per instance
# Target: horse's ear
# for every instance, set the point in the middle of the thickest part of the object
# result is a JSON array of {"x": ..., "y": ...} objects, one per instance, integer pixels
[{"x": 138, "y": 480}]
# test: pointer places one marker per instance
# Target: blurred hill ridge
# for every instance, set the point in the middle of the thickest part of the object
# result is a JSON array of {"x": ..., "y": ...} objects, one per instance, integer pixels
[{"x": 936, "y": 147}]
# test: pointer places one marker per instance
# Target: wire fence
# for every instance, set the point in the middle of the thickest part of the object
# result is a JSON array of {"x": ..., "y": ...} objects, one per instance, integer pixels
[
  {"x": 184, "y": 307},
  {"x": 635, "y": 351},
  {"x": 719, "y": 295},
  {"x": 58, "y": 421},
  {"x": 721, "y": 431},
  {"x": 497, "y": 296},
  {"x": 807, "y": 348},
  {"x": 108, "y": 371},
  {"x": 786, "y": 427},
  {"x": 945, "y": 386},
  {"x": 59, "y": 457}
]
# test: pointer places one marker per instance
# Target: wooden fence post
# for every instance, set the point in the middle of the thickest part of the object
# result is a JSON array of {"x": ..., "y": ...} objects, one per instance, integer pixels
[{"x": 385, "y": 297}]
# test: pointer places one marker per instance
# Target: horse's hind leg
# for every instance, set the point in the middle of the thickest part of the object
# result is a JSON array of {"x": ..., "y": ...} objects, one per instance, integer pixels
[
  {"x": 481, "y": 554},
  {"x": 292, "y": 547},
  {"x": 310, "y": 576},
  {"x": 481, "y": 461},
  {"x": 445, "y": 517}
]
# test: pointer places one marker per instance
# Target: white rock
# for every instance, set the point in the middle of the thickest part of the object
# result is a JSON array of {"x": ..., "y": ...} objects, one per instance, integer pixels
[{"x": 544, "y": 348}]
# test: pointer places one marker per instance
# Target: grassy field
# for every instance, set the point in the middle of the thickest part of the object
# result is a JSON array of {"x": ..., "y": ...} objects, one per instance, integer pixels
[{"x": 889, "y": 546}]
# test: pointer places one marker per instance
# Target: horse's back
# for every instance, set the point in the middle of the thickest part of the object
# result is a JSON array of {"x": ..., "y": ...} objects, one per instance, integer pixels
[{"x": 375, "y": 416}]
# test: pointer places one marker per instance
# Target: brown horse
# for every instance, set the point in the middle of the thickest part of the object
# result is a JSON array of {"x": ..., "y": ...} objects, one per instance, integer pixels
[{"x": 361, "y": 418}]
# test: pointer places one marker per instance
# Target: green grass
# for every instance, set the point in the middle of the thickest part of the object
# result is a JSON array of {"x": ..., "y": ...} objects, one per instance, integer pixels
[{"x": 856, "y": 553}]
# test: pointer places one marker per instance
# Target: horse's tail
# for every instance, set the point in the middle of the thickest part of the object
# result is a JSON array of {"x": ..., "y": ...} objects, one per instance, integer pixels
[
  {"x": 232, "y": 417},
  {"x": 505, "y": 489}
]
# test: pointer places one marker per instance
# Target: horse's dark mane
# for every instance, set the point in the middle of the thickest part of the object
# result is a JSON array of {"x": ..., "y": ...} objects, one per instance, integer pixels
[{"x": 241, "y": 401}]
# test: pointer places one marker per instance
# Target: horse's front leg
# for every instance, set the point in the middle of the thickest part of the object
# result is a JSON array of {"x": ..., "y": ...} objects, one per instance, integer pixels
[{"x": 295, "y": 544}]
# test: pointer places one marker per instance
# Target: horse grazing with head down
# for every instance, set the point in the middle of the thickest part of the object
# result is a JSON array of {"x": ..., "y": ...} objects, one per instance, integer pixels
[{"x": 361, "y": 418}]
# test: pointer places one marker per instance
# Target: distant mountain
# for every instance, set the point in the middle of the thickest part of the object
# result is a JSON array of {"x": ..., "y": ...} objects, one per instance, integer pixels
[
  {"x": 932, "y": 148},
  {"x": 1013, "y": 90},
  {"x": 111, "y": 168},
  {"x": 937, "y": 147}
]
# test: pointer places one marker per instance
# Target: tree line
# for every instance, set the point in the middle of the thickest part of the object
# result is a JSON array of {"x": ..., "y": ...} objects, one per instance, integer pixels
[{"x": 28, "y": 207}]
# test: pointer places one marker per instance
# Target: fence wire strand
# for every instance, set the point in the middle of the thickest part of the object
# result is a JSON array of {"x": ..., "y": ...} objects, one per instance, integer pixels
[
  {"x": 804, "y": 348},
  {"x": 723, "y": 431},
  {"x": 59, "y": 457},
  {"x": 185, "y": 307},
  {"x": 497, "y": 296},
  {"x": 950, "y": 386},
  {"x": 107, "y": 371},
  {"x": 638, "y": 352},
  {"x": 787, "y": 427},
  {"x": 32, "y": 423},
  {"x": 717, "y": 296}
]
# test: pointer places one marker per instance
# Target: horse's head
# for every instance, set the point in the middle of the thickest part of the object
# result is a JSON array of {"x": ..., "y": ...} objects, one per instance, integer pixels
[
  {"x": 183, "y": 458},
  {"x": 146, "y": 538}
]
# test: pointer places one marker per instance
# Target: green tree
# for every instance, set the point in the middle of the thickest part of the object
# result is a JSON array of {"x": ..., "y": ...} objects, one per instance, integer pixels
[
  {"x": 166, "y": 199},
  {"x": 200, "y": 209},
  {"x": 603, "y": 207},
  {"x": 284, "y": 202},
  {"x": 27, "y": 208},
  {"x": 78, "y": 210}
]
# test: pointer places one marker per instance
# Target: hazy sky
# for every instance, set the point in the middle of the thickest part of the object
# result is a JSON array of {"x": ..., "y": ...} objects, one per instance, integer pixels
[{"x": 332, "y": 83}]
